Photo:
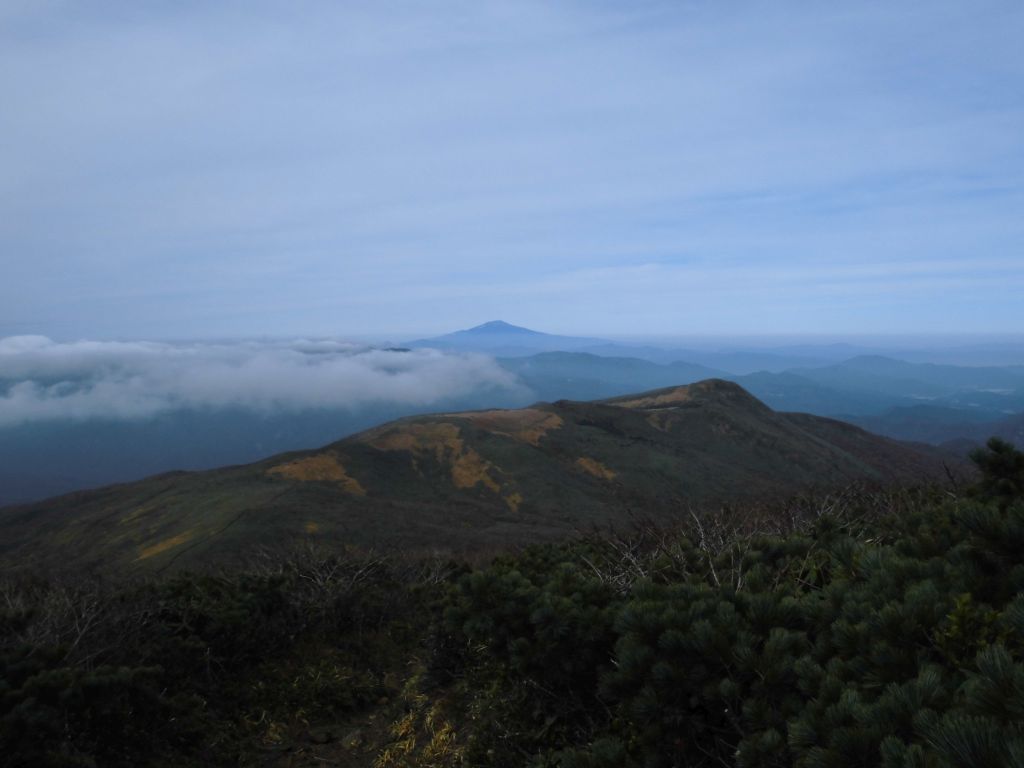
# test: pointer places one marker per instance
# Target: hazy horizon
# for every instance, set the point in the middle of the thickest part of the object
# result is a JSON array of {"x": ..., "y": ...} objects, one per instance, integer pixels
[{"x": 897, "y": 340}]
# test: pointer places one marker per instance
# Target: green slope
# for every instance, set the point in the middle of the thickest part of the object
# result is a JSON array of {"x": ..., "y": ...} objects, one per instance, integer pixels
[{"x": 475, "y": 481}]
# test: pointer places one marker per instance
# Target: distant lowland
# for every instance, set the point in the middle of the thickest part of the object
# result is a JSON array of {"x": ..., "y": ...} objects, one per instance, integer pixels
[{"x": 479, "y": 480}]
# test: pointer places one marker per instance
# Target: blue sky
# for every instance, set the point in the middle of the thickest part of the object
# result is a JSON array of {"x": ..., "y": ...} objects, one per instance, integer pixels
[{"x": 177, "y": 170}]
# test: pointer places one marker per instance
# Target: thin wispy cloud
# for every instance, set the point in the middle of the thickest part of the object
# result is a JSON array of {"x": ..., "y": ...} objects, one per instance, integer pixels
[{"x": 204, "y": 170}]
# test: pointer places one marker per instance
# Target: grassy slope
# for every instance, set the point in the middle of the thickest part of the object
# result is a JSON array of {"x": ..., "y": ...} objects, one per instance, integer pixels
[{"x": 469, "y": 481}]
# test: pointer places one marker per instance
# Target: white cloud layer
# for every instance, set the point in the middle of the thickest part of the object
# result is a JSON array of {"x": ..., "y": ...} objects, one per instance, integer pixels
[{"x": 41, "y": 379}]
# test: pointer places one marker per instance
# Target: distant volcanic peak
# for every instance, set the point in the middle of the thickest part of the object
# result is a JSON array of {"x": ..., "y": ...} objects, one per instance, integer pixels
[
  {"x": 500, "y": 326},
  {"x": 707, "y": 391},
  {"x": 506, "y": 339}
]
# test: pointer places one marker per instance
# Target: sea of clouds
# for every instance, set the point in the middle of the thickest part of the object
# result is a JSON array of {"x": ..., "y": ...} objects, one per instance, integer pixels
[{"x": 42, "y": 379}]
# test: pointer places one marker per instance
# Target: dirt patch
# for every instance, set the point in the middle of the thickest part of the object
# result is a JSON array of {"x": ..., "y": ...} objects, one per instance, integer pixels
[{"x": 324, "y": 467}]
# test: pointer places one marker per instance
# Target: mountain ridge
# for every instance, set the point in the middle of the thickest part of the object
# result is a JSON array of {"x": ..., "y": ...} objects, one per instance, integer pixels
[{"x": 468, "y": 481}]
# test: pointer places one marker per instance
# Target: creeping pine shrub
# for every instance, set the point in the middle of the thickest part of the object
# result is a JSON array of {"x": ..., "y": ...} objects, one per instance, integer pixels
[
  {"x": 850, "y": 641},
  {"x": 187, "y": 671},
  {"x": 864, "y": 631},
  {"x": 542, "y": 630},
  {"x": 55, "y": 715},
  {"x": 1002, "y": 473}
]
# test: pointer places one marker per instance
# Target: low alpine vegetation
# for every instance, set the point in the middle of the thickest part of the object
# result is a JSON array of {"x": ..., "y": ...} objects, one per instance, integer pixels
[{"x": 851, "y": 631}]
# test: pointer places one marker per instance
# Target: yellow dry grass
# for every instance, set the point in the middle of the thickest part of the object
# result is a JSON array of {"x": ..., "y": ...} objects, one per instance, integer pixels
[
  {"x": 469, "y": 468},
  {"x": 443, "y": 441},
  {"x": 436, "y": 438},
  {"x": 166, "y": 544},
  {"x": 323, "y": 467},
  {"x": 595, "y": 468},
  {"x": 674, "y": 397},
  {"x": 527, "y": 425}
]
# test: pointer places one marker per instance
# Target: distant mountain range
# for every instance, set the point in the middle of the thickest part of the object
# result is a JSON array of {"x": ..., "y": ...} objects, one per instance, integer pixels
[
  {"x": 911, "y": 401},
  {"x": 583, "y": 376},
  {"x": 952, "y": 429},
  {"x": 502, "y": 339},
  {"x": 942, "y": 404},
  {"x": 469, "y": 480}
]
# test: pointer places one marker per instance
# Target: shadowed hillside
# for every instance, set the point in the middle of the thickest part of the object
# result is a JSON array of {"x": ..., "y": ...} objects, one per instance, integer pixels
[{"x": 468, "y": 481}]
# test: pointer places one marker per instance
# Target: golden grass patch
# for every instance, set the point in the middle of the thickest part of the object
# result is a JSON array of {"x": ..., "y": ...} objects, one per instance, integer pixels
[
  {"x": 595, "y": 468},
  {"x": 443, "y": 441},
  {"x": 436, "y": 438},
  {"x": 469, "y": 468},
  {"x": 323, "y": 467},
  {"x": 527, "y": 425},
  {"x": 513, "y": 500},
  {"x": 166, "y": 544},
  {"x": 676, "y": 396}
]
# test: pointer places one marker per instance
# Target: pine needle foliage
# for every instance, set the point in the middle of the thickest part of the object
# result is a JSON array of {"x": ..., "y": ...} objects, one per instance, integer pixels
[{"x": 855, "y": 639}]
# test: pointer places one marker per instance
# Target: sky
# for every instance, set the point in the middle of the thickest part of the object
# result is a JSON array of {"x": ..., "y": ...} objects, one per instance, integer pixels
[{"x": 188, "y": 170}]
